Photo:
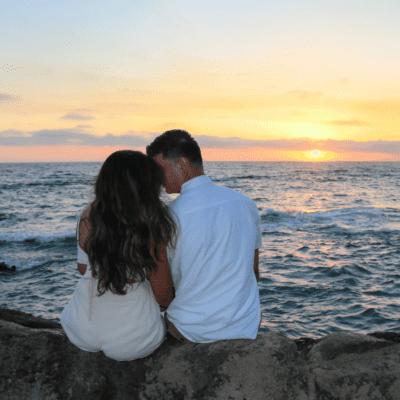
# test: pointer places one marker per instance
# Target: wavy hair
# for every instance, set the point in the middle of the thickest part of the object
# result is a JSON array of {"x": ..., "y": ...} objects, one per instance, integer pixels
[{"x": 127, "y": 220}]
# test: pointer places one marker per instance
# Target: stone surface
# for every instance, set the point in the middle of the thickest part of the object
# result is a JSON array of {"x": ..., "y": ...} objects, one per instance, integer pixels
[
  {"x": 38, "y": 362},
  {"x": 4, "y": 269},
  {"x": 352, "y": 366}
]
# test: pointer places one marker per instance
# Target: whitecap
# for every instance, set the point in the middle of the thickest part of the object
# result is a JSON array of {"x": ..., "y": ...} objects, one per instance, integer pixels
[{"x": 44, "y": 237}]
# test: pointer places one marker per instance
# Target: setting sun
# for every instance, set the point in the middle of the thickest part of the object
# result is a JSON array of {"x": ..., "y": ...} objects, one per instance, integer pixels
[
  {"x": 316, "y": 155},
  {"x": 288, "y": 98}
]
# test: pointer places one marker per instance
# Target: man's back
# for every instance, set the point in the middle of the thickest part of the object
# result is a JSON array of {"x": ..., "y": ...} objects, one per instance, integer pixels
[{"x": 212, "y": 266}]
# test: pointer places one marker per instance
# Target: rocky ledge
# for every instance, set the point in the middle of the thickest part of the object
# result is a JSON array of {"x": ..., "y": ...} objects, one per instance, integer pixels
[{"x": 38, "y": 362}]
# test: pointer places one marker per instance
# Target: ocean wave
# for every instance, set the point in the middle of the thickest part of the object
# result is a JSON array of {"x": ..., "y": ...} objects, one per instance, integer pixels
[
  {"x": 235, "y": 178},
  {"x": 29, "y": 265},
  {"x": 34, "y": 237},
  {"x": 21, "y": 265},
  {"x": 345, "y": 219},
  {"x": 222, "y": 179},
  {"x": 48, "y": 184}
]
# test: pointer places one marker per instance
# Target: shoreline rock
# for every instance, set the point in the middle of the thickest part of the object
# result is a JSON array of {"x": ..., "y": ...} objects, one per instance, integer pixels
[
  {"x": 4, "y": 269},
  {"x": 39, "y": 362}
]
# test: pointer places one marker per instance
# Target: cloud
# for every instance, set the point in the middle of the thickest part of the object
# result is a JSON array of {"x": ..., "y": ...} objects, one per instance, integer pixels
[
  {"x": 7, "y": 97},
  {"x": 75, "y": 136},
  {"x": 376, "y": 146},
  {"x": 77, "y": 117},
  {"x": 12, "y": 133},
  {"x": 83, "y": 126},
  {"x": 351, "y": 122},
  {"x": 141, "y": 139},
  {"x": 214, "y": 142}
]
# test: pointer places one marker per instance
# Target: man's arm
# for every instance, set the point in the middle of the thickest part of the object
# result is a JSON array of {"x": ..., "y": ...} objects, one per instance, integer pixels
[{"x": 256, "y": 265}]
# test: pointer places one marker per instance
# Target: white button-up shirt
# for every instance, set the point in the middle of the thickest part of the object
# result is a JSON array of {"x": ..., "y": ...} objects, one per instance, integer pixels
[{"x": 217, "y": 294}]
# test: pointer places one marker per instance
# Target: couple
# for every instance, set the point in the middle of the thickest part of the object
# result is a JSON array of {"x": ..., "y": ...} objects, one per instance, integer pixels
[{"x": 197, "y": 258}]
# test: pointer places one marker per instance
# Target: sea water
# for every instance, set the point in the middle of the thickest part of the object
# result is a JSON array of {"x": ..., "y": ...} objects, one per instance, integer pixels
[{"x": 330, "y": 255}]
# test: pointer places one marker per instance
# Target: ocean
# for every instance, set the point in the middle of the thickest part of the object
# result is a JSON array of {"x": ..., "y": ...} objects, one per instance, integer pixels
[{"x": 330, "y": 255}]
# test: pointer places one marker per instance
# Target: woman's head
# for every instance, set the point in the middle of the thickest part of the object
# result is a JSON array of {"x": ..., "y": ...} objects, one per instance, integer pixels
[
  {"x": 127, "y": 219},
  {"x": 127, "y": 182}
]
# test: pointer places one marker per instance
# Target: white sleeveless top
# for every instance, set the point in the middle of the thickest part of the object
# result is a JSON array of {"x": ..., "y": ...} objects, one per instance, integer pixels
[{"x": 124, "y": 327}]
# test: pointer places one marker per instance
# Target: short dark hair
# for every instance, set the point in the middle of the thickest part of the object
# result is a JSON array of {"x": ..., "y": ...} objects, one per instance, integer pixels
[{"x": 174, "y": 144}]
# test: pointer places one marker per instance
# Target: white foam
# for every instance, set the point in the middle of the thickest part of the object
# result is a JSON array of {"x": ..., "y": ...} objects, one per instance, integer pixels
[
  {"x": 29, "y": 265},
  {"x": 44, "y": 237},
  {"x": 354, "y": 219},
  {"x": 20, "y": 265}
]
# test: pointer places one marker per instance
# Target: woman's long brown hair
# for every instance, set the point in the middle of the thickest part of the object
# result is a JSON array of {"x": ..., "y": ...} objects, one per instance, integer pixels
[{"x": 128, "y": 221}]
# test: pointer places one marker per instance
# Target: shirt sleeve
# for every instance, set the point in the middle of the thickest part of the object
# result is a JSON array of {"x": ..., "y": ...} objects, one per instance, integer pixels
[
  {"x": 258, "y": 227},
  {"x": 258, "y": 240},
  {"x": 82, "y": 257}
]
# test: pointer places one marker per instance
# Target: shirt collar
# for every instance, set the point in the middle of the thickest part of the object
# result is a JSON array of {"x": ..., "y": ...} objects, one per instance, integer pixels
[{"x": 192, "y": 183}]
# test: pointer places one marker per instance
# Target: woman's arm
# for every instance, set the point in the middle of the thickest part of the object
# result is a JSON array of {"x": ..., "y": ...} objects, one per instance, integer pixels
[
  {"x": 82, "y": 268},
  {"x": 161, "y": 280},
  {"x": 256, "y": 265},
  {"x": 82, "y": 233}
]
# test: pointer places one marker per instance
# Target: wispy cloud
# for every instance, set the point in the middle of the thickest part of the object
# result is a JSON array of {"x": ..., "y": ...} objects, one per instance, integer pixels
[
  {"x": 351, "y": 122},
  {"x": 7, "y": 97},
  {"x": 377, "y": 146},
  {"x": 215, "y": 142},
  {"x": 83, "y": 126},
  {"x": 75, "y": 136},
  {"x": 77, "y": 117},
  {"x": 133, "y": 139}
]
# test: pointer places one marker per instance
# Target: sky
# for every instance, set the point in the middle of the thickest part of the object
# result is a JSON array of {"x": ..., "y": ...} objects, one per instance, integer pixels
[{"x": 293, "y": 80}]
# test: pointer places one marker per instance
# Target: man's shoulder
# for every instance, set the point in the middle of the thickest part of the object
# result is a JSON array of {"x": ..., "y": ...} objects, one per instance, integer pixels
[
  {"x": 209, "y": 195},
  {"x": 229, "y": 194}
]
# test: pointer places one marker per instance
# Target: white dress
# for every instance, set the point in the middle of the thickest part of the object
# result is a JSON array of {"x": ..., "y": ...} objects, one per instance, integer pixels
[{"x": 124, "y": 327}]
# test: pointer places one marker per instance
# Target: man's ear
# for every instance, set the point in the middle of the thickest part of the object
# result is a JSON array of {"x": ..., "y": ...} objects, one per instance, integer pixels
[
  {"x": 183, "y": 163},
  {"x": 185, "y": 166}
]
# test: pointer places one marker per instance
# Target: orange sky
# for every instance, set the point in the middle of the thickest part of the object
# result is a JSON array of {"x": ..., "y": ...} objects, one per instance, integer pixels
[{"x": 80, "y": 81}]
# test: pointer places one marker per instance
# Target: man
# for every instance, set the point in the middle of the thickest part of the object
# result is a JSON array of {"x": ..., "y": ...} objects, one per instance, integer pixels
[{"x": 214, "y": 264}]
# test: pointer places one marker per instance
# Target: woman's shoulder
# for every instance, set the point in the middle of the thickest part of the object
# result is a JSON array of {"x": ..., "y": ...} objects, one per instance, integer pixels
[
  {"x": 86, "y": 211},
  {"x": 84, "y": 226}
]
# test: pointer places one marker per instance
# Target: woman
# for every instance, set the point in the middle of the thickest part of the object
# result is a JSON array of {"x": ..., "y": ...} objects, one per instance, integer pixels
[{"x": 122, "y": 238}]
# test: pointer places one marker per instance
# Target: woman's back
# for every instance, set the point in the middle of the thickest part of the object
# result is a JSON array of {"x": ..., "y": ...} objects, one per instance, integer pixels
[
  {"x": 121, "y": 241},
  {"x": 124, "y": 327}
]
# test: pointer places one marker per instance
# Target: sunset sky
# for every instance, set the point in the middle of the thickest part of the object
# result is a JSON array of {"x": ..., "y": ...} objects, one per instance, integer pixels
[{"x": 250, "y": 80}]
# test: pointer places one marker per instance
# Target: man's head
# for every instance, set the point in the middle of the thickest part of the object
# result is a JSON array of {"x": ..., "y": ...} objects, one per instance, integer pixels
[{"x": 179, "y": 156}]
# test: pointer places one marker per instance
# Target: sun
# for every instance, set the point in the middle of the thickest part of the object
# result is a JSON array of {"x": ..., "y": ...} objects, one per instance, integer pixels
[{"x": 315, "y": 154}]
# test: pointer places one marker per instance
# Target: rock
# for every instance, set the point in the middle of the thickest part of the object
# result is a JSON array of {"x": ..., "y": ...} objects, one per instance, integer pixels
[
  {"x": 352, "y": 366},
  {"x": 4, "y": 268},
  {"x": 39, "y": 362}
]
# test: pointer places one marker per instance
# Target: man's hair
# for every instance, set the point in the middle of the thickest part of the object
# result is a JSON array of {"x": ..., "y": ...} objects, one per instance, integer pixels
[{"x": 174, "y": 144}]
